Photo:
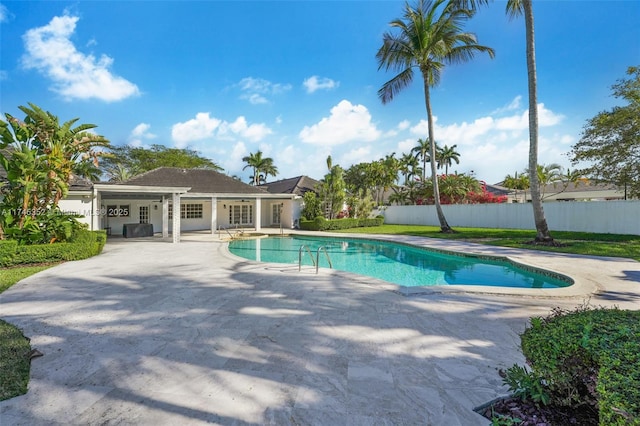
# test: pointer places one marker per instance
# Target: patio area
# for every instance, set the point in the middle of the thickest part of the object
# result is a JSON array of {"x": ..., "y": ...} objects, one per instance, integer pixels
[{"x": 157, "y": 333}]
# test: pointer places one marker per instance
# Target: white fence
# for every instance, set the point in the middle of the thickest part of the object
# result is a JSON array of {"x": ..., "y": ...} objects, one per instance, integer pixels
[{"x": 612, "y": 217}]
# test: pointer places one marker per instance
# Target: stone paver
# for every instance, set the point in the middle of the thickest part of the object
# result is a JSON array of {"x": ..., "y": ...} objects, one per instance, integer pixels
[{"x": 153, "y": 333}]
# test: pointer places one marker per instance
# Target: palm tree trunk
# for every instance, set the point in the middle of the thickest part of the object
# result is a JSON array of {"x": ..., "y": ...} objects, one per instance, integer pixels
[
  {"x": 542, "y": 230},
  {"x": 444, "y": 226}
]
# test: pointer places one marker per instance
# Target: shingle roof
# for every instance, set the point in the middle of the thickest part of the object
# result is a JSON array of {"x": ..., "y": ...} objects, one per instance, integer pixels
[
  {"x": 297, "y": 185},
  {"x": 199, "y": 180}
]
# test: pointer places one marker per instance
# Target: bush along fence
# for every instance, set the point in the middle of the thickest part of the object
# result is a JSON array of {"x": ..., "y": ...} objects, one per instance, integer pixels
[
  {"x": 84, "y": 244},
  {"x": 322, "y": 224}
]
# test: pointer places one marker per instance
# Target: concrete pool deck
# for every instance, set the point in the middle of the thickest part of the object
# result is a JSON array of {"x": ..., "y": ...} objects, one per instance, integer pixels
[{"x": 157, "y": 333}]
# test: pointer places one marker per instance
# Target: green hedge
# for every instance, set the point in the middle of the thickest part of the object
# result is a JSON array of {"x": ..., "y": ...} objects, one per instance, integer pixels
[
  {"x": 84, "y": 244},
  {"x": 322, "y": 224},
  {"x": 592, "y": 356}
]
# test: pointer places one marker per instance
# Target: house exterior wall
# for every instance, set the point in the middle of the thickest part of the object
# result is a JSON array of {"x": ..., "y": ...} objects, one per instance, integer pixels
[
  {"x": 614, "y": 217},
  {"x": 80, "y": 204}
]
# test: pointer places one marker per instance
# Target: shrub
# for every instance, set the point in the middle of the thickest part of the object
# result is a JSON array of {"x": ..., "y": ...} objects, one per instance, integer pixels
[
  {"x": 589, "y": 356},
  {"x": 83, "y": 244},
  {"x": 322, "y": 224}
]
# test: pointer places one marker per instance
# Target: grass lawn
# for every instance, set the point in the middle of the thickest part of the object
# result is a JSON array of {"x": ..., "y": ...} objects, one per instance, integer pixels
[
  {"x": 14, "y": 361},
  {"x": 14, "y": 347},
  {"x": 10, "y": 276},
  {"x": 614, "y": 245}
]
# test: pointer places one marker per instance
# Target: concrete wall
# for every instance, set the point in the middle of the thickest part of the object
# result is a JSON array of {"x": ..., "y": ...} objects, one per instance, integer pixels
[{"x": 613, "y": 217}]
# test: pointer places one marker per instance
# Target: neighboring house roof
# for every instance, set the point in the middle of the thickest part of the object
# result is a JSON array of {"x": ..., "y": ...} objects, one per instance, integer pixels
[
  {"x": 205, "y": 181},
  {"x": 497, "y": 189},
  {"x": 296, "y": 185}
]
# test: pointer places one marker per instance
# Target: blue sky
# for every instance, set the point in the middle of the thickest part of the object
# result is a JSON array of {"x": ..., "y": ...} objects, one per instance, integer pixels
[{"x": 299, "y": 79}]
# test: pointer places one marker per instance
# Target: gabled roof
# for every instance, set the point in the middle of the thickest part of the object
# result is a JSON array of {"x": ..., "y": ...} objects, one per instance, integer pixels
[
  {"x": 205, "y": 181},
  {"x": 296, "y": 185}
]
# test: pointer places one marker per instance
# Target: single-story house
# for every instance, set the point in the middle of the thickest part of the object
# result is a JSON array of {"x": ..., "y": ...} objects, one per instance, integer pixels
[
  {"x": 206, "y": 199},
  {"x": 297, "y": 186}
]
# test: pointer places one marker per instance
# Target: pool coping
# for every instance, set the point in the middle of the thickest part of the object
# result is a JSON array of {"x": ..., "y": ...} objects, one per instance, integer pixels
[{"x": 536, "y": 260}]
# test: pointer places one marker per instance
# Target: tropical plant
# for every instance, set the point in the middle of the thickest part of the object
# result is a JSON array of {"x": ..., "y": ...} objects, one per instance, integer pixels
[
  {"x": 517, "y": 182},
  {"x": 429, "y": 37},
  {"x": 446, "y": 155},
  {"x": 409, "y": 167},
  {"x": 421, "y": 152},
  {"x": 311, "y": 206},
  {"x": 333, "y": 190},
  {"x": 262, "y": 167},
  {"x": 40, "y": 156}
]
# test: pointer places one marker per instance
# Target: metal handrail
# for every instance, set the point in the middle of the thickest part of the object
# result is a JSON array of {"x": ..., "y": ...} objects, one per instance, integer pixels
[
  {"x": 326, "y": 253},
  {"x": 300, "y": 257}
]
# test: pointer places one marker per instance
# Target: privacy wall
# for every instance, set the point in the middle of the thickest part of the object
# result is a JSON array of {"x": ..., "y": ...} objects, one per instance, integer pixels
[{"x": 612, "y": 217}]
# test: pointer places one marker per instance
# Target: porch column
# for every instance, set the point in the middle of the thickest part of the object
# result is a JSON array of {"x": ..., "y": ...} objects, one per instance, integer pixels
[
  {"x": 258, "y": 217},
  {"x": 165, "y": 217},
  {"x": 96, "y": 213},
  {"x": 214, "y": 215},
  {"x": 176, "y": 218}
]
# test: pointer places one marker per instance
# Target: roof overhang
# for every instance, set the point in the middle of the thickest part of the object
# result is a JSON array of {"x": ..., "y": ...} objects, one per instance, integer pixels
[
  {"x": 228, "y": 195},
  {"x": 137, "y": 191}
]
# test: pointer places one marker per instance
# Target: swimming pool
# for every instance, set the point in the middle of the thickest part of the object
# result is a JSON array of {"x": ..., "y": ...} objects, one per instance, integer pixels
[{"x": 396, "y": 263}]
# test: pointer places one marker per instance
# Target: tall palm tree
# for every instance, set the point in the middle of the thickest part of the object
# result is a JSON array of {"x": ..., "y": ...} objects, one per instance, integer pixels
[
  {"x": 446, "y": 156},
  {"x": 516, "y": 8},
  {"x": 430, "y": 37},
  {"x": 262, "y": 167}
]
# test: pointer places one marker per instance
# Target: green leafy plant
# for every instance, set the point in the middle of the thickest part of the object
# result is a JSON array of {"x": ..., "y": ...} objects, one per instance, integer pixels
[{"x": 526, "y": 385}]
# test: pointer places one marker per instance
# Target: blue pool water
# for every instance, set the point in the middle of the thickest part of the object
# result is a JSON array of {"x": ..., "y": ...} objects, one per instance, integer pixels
[{"x": 395, "y": 263}]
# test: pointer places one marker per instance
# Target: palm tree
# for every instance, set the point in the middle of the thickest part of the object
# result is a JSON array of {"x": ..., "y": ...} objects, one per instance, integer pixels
[
  {"x": 446, "y": 156},
  {"x": 516, "y": 8},
  {"x": 262, "y": 167},
  {"x": 430, "y": 37},
  {"x": 409, "y": 167},
  {"x": 422, "y": 153},
  {"x": 517, "y": 182}
]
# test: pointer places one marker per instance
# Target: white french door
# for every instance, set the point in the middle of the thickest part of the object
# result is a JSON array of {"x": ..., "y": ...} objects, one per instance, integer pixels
[{"x": 241, "y": 214}]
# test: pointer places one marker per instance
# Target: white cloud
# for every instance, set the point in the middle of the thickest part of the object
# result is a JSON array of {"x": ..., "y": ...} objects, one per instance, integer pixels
[
  {"x": 357, "y": 155},
  {"x": 253, "y": 132},
  {"x": 493, "y": 147},
  {"x": 5, "y": 15},
  {"x": 4, "y": 75},
  {"x": 203, "y": 126},
  {"x": 256, "y": 90},
  {"x": 315, "y": 83},
  {"x": 140, "y": 133},
  {"x": 346, "y": 123},
  {"x": 74, "y": 74},
  {"x": 514, "y": 105},
  {"x": 405, "y": 146},
  {"x": 198, "y": 128},
  {"x": 404, "y": 125}
]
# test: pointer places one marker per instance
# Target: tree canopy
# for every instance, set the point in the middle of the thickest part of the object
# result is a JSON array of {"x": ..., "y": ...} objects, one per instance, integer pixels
[
  {"x": 610, "y": 141},
  {"x": 124, "y": 162}
]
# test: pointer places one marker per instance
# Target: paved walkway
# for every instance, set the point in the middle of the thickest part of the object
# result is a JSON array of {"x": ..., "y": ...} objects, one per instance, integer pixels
[{"x": 153, "y": 333}]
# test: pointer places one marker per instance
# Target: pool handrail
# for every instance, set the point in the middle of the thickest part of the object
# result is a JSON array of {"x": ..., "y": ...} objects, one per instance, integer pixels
[
  {"x": 326, "y": 253},
  {"x": 300, "y": 257}
]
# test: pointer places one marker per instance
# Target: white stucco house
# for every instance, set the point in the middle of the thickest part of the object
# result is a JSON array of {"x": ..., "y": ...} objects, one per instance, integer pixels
[{"x": 206, "y": 199}]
